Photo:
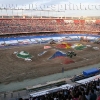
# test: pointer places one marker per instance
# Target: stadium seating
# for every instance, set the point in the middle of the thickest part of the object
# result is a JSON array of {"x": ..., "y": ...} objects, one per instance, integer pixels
[
  {"x": 26, "y": 25},
  {"x": 88, "y": 91}
]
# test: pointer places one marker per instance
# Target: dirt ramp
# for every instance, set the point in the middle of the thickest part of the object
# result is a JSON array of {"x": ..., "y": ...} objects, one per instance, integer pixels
[
  {"x": 63, "y": 60},
  {"x": 48, "y": 54},
  {"x": 67, "y": 61}
]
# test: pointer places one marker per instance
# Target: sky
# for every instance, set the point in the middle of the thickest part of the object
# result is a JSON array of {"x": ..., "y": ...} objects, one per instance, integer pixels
[{"x": 61, "y": 8}]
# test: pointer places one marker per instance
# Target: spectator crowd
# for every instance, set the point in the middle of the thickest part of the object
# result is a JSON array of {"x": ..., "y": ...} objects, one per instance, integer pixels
[
  {"x": 88, "y": 91},
  {"x": 25, "y": 25}
]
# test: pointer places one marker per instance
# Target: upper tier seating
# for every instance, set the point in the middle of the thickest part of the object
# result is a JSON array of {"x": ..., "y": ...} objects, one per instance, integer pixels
[{"x": 51, "y": 25}]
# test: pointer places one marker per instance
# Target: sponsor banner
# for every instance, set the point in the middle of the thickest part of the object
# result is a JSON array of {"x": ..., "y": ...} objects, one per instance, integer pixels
[
  {"x": 40, "y": 93},
  {"x": 89, "y": 79},
  {"x": 25, "y": 41},
  {"x": 11, "y": 42},
  {"x": 2, "y": 43},
  {"x": 57, "y": 39},
  {"x": 68, "y": 38},
  {"x": 66, "y": 86},
  {"x": 96, "y": 38},
  {"x": 45, "y": 92},
  {"x": 74, "y": 37},
  {"x": 65, "y": 38},
  {"x": 90, "y": 38},
  {"x": 33, "y": 41},
  {"x": 87, "y": 37},
  {"x": 45, "y": 39},
  {"x": 37, "y": 39}
]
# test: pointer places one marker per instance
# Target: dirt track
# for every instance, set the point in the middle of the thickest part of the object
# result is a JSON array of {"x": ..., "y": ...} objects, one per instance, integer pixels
[{"x": 16, "y": 69}]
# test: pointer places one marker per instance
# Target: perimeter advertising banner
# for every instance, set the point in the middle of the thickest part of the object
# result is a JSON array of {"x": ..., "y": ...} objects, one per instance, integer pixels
[
  {"x": 89, "y": 79},
  {"x": 11, "y": 42}
]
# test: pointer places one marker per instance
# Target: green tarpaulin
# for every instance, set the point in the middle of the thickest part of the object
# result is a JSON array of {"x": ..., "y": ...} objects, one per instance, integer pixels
[{"x": 24, "y": 55}]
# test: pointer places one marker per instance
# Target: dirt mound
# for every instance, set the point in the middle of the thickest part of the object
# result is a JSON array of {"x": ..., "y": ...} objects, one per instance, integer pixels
[
  {"x": 64, "y": 45},
  {"x": 63, "y": 60},
  {"x": 58, "y": 59},
  {"x": 68, "y": 61},
  {"x": 48, "y": 54}
]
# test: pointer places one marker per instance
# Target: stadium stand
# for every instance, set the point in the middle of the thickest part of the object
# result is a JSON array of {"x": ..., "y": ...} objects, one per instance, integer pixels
[
  {"x": 87, "y": 91},
  {"x": 29, "y": 25}
]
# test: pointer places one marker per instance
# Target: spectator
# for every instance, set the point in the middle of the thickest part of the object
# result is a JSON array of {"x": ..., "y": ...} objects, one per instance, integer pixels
[{"x": 93, "y": 96}]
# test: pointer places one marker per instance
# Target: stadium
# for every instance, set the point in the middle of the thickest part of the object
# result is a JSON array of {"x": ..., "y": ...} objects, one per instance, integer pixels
[{"x": 37, "y": 46}]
